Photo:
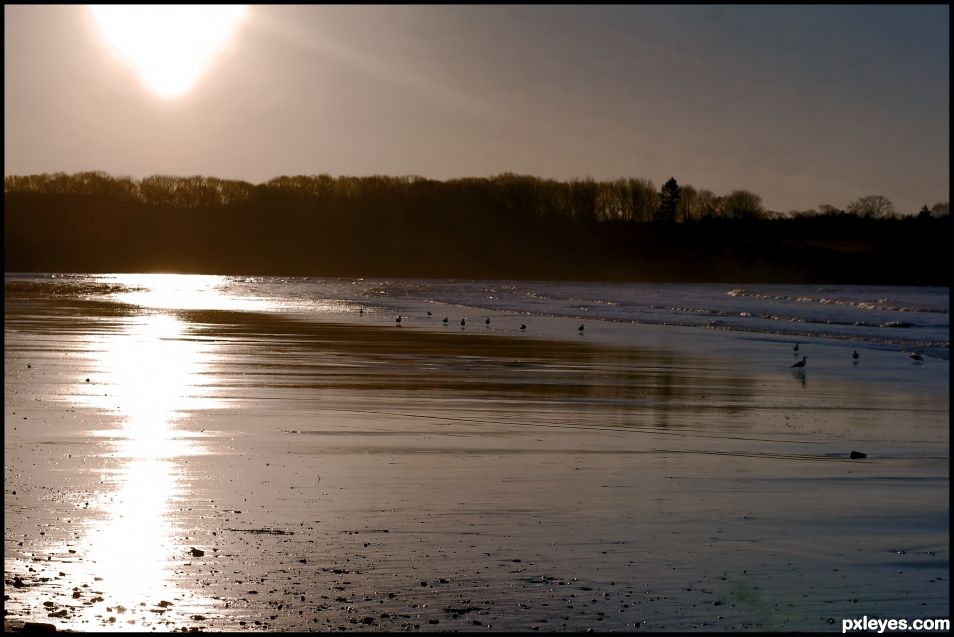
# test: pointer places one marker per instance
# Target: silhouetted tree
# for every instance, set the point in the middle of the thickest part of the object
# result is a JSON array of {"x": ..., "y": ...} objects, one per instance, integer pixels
[
  {"x": 583, "y": 193},
  {"x": 941, "y": 209},
  {"x": 875, "y": 206},
  {"x": 742, "y": 204},
  {"x": 644, "y": 198},
  {"x": 668, "y": 201},
  {"x": 799, "y": 214},
  {"x": 705, "y": 205},
  {"x": 687, "y": 198},
  {"x": 827, "y": 209}
]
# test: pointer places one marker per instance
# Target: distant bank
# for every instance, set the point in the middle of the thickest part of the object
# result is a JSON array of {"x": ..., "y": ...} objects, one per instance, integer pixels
[{"x": 507, "y": 227}]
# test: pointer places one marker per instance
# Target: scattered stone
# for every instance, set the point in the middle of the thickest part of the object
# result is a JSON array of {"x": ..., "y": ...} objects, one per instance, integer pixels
[
  {"x": 38, "y": 627},
  {"x": 259, "y": 531},
  {"x": 164, "y": 604},
  {"x": 461, "y": 611},
  {"x": 196, "y": 552}
]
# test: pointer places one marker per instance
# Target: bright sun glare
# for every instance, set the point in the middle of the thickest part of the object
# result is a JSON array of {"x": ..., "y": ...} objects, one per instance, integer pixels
[{"x": 169, "y": 45}]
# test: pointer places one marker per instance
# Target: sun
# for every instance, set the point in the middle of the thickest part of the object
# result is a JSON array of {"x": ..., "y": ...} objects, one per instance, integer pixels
[{"x": 169, "y": 45}]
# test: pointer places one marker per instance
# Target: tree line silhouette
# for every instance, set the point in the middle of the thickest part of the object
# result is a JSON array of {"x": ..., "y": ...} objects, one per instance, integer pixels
[{"x": 505, "y": 226}]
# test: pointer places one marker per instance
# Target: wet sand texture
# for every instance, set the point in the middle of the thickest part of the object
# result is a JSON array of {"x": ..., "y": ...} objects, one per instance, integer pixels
[{"x": 236, "y": 471}]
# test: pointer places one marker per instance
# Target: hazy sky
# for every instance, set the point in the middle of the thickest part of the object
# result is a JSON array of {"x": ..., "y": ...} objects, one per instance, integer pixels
[{"x": 803, "y": 105}]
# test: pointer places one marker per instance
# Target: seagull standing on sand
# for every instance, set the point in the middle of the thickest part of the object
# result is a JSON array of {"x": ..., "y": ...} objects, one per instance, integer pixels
[
  {"x": 444, "y": 321},
  {"x": 428, "y": 312},
  {"x": 580, "y": 328},
  {"x": 800, "y": 364},
  {"x": 523, "y": 326},
  {"x": 854, "y": 354},
  {"x": 463, "y": 322},
  {"x": 397, "y": 320},
  {"x": 795, "y": 349},
  {"x": 917, "y": 357}
]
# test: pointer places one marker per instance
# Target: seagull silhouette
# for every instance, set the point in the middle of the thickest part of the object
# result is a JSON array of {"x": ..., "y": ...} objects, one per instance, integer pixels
[
  {"x": 580, "y": 328},
  {"x": 795, "y": 349},
  {"x": 522, "y": 326},
  {"x": 854, "y": 354},
  {"x": 444, "y": 321},
  {"x": 801, "y": 363},
  {"x": 917, "y": 357}
]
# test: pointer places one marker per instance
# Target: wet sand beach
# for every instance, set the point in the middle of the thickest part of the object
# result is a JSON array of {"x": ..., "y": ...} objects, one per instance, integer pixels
[{"x": 171, "y": 470}]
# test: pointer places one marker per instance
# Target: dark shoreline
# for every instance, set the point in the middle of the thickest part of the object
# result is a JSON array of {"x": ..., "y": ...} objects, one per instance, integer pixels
[{"x": 508, "y": 228}]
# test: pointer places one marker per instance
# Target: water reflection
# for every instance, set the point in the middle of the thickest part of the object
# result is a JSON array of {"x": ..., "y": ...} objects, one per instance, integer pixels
[
  {"x": 151, "y": 374},
  {"x": 183, "y": 292}
]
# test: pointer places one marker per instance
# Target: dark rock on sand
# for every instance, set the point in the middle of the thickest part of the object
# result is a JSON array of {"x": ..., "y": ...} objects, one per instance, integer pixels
[
  {"x": 857, "y": 454},
  {"x": 38, "y": 627}
]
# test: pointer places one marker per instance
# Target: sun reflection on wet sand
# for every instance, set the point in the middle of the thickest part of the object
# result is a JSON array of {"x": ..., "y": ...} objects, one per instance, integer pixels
[
  {"x": 151, "y": 375},
  {"x": 182, "y": 292}
]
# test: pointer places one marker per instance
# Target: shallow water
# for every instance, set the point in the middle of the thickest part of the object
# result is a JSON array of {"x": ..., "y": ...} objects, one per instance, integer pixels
[{"x": 905, "y": 318}]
